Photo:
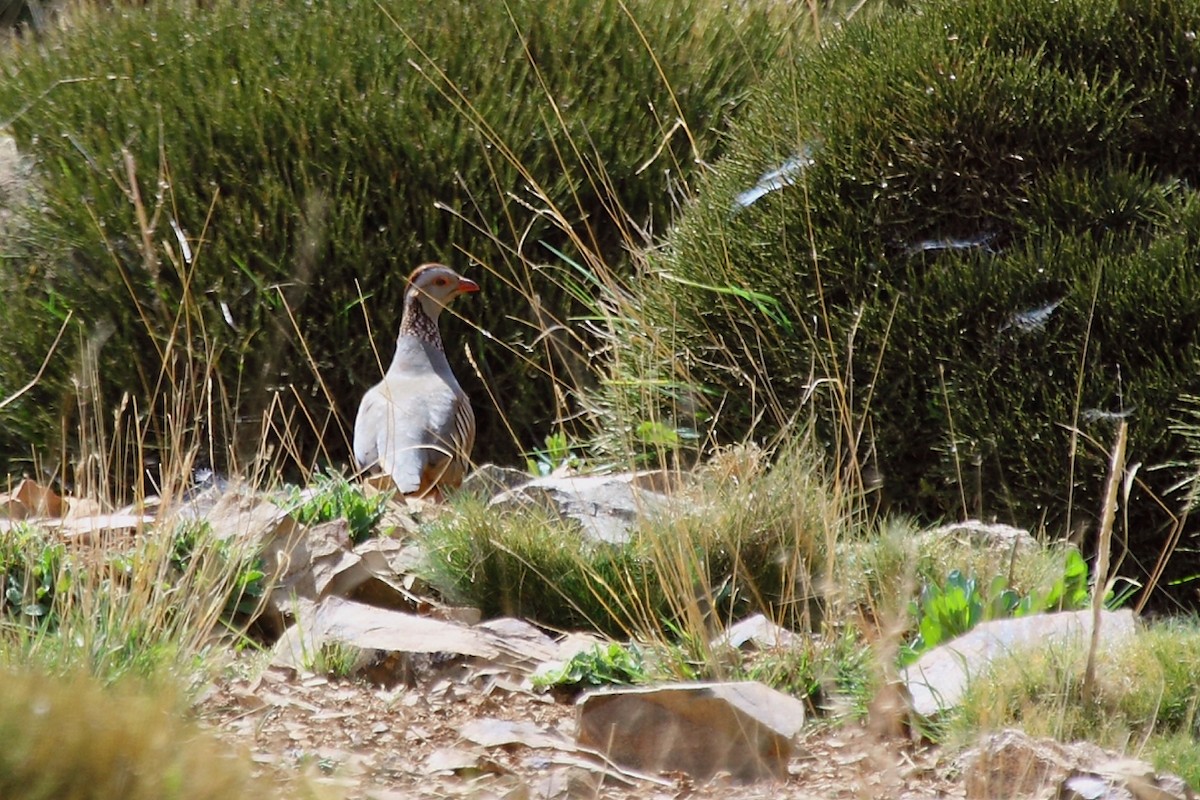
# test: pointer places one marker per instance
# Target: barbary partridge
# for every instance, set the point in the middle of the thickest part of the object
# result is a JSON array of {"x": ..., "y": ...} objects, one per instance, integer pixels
[{"x": 416, "y": 425}]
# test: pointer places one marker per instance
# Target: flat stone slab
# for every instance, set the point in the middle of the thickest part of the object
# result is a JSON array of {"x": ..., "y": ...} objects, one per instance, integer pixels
[
  {"x": 366, "y": 627},
  {"x": 937, "y": 681},
  {"x": 743, "y": 729}
]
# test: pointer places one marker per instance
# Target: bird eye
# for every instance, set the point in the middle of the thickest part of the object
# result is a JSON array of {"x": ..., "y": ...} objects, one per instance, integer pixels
[{"x": 440, "y": 282}]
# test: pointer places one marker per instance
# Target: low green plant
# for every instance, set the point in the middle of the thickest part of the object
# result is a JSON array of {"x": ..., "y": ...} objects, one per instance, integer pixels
[
  {"x": 33, "y": 573},
  {"x": 557, "y": 454},
  {"x": 332, "y": 496},
  {"x": 530, "y": 563},
  {"x": 335, "y": 659},
  {"x": 950, "y": 609},
  {"x": 830, "y": 674},
  {"x": 248, "y": 581},
  {"x": 600, "y": 665},
  {"x": 147, "y": 606}
]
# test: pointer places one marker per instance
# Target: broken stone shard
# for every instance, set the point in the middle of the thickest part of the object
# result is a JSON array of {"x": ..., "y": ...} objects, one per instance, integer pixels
[
  {"x": 356, "y": 625},
  {"x": 758, "y": 631}
]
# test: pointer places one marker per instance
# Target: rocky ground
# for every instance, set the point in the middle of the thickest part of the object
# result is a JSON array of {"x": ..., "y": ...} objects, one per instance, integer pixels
[
  {"x": 425, "y": 742},
  {"x": 437, "y": 702}
]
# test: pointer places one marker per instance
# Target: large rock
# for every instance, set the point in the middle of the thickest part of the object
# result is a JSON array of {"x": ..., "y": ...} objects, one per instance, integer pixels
[
  {"x": 1002, "y": 539},
  {"x": 607, "y": 507},
  {"x": 742, "y": 729},
  {"x": 1010, "y": 764},
  {"x": 937, "y": 681},
  {"x": 307, "y": 564}
]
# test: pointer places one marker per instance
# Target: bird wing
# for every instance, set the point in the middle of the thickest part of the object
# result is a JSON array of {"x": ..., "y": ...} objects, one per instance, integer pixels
[
  {"x": 407, "y": 426},
  {"x": 462, "y": 436}
]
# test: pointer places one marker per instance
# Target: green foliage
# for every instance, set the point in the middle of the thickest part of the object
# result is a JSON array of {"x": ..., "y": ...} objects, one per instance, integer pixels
[
  {"x": 32, "y": 574},
  {"x": 193, "y": 544},
  {"x": 601, "y": 665},
  {"x": 310, "y": 155},
  {"x": 336, "y": 659},
  {"x": 958, "y": 605},
  {"x": 140, "y": 606},
  {"x": 981, "y": 221},
  {"x": 557, "y": 453},
  {"x": 533, "y": 565},
  {"x": 824, "y": 673},
  {"x": 331, "y": 496}
]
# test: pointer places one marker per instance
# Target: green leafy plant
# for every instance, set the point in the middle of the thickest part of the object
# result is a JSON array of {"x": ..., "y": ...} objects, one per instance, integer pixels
[
  {"x": 557, "y": 453},
  {"x": 333, "y": 497},
  {"x": 33, "y": 574},
  {"x": 192, "y": 540},
  {"x": 958, "y": 605},
  {"x": 601, "y": 665}
]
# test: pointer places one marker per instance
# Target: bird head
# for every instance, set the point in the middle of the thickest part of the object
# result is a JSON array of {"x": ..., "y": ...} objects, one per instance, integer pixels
[{"x": 435, "y": 285}]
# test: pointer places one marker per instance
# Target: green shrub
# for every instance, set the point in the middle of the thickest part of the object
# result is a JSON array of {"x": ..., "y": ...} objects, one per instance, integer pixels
[
  {"x": 986, "y": 234},
  {"x": 311, "y": 152}
]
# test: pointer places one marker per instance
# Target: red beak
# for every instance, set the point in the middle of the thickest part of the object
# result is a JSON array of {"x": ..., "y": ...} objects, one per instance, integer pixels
[{"x": 466, "y": 286}]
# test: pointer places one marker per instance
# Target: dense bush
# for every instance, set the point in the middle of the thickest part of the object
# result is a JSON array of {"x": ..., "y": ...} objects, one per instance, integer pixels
[
  {"x": 305, "y": 150},
  {"x": 980, "y": 220}
]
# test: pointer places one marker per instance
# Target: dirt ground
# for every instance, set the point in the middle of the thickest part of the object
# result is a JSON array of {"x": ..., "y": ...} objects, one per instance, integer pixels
[{"x": 369, "y": 742}]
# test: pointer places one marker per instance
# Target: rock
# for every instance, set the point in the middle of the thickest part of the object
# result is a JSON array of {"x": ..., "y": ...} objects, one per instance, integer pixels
[
  {"x": 521, "y": 635},
  {"x": 490, "y": 732},
  {"x": 607, "y": 507},
  {"x": 30, "y": 499},
  {"x": 388, "y": 632},
  {"x": 1123, "y": 779},
  {"x": 743, "y": 729},
  {"x": 1002, "y": 538},
  {"x": 243, "y": 516},
  {"x": 937, "y": 681},
  {"x": 1086, "y": 786},
  {"x": 1012, "y": 764},
  {"x": 758, "y": 631},
  {"x": 307, "y": 564}
]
